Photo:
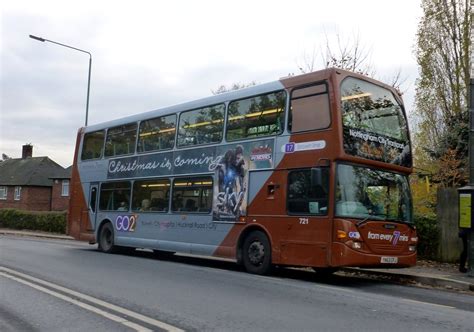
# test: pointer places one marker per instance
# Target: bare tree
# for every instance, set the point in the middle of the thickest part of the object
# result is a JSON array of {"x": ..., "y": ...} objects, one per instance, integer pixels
[
  {"x": 349, "y": 55},
  {"x": 396, "y": 80},
  {"x": 233, "y": 87},
  {"x": 308, "y": 62}
]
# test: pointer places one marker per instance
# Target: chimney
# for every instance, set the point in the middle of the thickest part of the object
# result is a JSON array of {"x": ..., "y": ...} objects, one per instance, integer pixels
[{"x": 27, "y": 151}]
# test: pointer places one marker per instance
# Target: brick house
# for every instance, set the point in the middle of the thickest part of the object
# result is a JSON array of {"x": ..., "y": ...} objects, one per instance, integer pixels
[
  {"x": 34, "y": 183},
  {"x": 60, "y": 191}
]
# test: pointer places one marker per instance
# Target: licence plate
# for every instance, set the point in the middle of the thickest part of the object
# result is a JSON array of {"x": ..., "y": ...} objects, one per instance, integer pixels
[{"x": 389, "y": 260}]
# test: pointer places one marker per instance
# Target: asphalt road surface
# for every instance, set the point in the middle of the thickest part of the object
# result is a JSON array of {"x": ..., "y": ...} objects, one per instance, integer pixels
[{"x": 50, "y": 285}]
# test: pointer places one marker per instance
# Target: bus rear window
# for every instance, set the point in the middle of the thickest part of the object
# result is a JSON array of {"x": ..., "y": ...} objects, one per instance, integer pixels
[
  {"x": 92, "y": 145},
  {"x": 192, "y": 195},
  {"x": 257, "y": 116},
  {"x": 121, "y": 140},
  {"x": 201, "y": 126}
]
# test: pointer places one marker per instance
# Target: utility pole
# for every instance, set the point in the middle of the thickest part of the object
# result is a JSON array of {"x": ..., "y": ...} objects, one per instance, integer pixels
[
  {"x": 470, "y": 239},
  {"x": 90, "y": 65},
  {"x": 470, "y": 243},
  {"x": 466, "y": 194}
]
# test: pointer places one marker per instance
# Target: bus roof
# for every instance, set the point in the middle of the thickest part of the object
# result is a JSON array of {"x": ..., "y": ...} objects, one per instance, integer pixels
[
  {"x": 203, "y": 102},
  {"x": 280, "y": 84}
]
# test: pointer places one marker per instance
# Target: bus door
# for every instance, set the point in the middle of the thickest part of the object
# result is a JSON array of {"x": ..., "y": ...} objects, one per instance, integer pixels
[
  {"x": 93, "y": 204},
  {"x": 308, "y": 234}
]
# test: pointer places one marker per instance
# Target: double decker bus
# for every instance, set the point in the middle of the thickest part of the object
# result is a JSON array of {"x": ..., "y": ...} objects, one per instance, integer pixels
[{"x": 309, "y": 170}]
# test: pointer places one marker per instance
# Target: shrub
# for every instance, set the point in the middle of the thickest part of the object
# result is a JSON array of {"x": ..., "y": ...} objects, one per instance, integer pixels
[
  {"x": 428, "y": 236},
  {"x": 38, "y": 221}
]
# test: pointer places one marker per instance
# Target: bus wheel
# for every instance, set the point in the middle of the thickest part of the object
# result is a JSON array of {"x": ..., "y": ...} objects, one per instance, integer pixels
[
  {"x": 106, "y": 239},
  {"x": 256, "y": 253}
]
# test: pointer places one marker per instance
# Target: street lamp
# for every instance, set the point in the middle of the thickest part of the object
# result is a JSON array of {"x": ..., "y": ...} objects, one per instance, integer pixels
[{"x": 90, "y": 65}]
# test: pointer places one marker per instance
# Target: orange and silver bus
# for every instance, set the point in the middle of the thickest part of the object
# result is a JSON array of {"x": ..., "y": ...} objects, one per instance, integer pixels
[{"x": 310, "y": 170}]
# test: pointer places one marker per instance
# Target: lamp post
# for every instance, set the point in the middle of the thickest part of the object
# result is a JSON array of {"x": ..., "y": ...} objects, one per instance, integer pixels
[{"x": 90, "y": 65}]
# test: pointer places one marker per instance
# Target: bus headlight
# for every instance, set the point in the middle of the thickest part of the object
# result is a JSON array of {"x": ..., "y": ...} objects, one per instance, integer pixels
[
  {"x": 412, "y": 248},
  {"x": 356, "y": 245}
]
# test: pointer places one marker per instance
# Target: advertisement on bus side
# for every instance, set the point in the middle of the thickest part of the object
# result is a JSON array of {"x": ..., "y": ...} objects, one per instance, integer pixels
[{"x": 230, "y": 164}]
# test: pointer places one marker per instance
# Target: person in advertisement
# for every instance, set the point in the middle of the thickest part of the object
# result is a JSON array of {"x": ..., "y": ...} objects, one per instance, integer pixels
[{"x": 231, "y": 172}]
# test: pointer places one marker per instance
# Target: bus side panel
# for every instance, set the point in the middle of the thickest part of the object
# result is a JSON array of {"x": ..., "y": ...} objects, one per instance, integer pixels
[
  {"x": 78, "y": 217},
  {"x": 179, "y": 232},
  {"x": 260, "y": 182},
  {"x": 295, "y": 240}
]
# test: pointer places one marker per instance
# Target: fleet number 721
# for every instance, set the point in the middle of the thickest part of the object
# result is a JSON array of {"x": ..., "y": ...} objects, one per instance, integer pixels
[{"x": 304, "y": 221}]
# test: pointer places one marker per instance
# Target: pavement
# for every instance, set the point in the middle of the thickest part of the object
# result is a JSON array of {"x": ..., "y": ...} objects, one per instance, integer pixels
[
  {"x": 438, "y": 275},
  {"x": 425, "y": 273}
]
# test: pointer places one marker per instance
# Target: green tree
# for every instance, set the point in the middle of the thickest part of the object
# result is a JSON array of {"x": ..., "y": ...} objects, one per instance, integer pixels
[{"x": 442, "y": 52}]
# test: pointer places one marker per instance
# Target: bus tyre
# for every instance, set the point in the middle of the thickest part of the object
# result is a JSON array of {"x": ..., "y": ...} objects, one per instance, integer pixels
[
  {"x": 106, "y": 239},
  {"x": 257, "y": 253}
]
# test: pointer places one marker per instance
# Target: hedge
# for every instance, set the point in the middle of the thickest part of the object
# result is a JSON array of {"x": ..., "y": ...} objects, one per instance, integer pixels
[
  {"x": 428, "y": 236},
  {"x": 38, "y": 221}
]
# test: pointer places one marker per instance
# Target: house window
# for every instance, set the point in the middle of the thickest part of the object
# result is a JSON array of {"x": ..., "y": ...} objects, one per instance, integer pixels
[
  {"x": 65, "y": 188},
  {"x": 17, "y": 193},
  {"x": 3, "y": 192}
]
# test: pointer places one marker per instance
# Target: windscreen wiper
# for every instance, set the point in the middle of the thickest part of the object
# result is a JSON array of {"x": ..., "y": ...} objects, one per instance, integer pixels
[{"x": 363, "y": 221}]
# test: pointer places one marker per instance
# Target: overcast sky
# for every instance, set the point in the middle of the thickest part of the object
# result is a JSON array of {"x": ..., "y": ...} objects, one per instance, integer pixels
[{"x": 151, "y": 54}]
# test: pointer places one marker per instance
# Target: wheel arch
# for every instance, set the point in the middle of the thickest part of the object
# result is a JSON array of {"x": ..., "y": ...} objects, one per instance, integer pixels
[
  {"x": 102, "y": 223},
  {"x": 249, "y": 229}
]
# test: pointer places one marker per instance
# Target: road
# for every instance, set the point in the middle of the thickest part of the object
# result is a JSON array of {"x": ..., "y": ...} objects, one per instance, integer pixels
[{"x": 53, "y": 285}]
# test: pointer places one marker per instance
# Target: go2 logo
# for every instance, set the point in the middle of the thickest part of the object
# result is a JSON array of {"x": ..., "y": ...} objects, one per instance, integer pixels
[{"x": 126, "y": 223}]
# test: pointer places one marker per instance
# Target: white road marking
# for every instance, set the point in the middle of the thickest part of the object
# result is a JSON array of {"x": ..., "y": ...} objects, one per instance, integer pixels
[
  {"x": 428, "y": 303},
  {"x": 107, "y": 315},
  {"x": 9, "y": 273}
]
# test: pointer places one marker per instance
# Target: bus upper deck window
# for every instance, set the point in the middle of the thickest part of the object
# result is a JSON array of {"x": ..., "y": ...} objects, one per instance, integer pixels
[
  {"x": 309, "y": 109},
  {"x": 256, "y": 116},
  {"x": 92, "y": 145},
  {"x": 121, "y": 140},
  {"x": 201, "y": 126},
  {"x": 157, "y": 134}
]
